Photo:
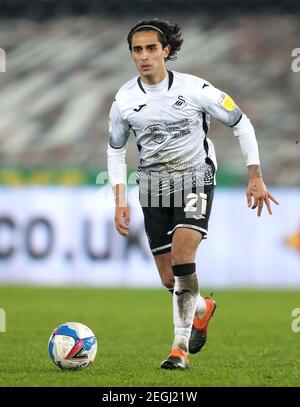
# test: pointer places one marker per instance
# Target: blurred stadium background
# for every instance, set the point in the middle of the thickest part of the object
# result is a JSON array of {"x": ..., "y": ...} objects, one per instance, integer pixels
[{"x": 65, "y": 60}]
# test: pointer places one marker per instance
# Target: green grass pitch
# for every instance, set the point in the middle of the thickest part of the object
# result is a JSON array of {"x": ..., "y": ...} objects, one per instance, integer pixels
[{"x": 250, "y": 340}]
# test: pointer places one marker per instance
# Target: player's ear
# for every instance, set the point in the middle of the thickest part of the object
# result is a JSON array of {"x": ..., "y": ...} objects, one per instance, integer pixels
[{"x": 167, "y": 50}]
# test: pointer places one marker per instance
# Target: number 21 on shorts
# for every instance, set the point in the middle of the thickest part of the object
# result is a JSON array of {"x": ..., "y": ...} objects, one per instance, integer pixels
[{"x": 191, "y": 207}]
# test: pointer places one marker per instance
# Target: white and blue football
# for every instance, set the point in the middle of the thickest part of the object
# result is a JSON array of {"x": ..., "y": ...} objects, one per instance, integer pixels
[{"x": 72, "y": 346}]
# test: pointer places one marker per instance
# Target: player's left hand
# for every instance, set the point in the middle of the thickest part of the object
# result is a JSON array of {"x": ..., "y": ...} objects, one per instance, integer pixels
[{"x": 257, "y": 192}]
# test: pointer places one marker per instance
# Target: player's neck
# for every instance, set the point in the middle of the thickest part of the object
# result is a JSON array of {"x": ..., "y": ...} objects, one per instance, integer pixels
[{"x": 155, "y": 80}]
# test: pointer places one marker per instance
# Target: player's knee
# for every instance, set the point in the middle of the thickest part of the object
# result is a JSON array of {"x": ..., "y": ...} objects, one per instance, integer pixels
[
  {"x": 183, "y": 257},
  {"x": 168, "y": 282}
]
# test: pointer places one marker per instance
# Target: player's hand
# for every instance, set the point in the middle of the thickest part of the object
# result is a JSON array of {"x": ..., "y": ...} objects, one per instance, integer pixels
[
  {"x": 257, "y": 195},
  {"x": 122, "y": 219}
]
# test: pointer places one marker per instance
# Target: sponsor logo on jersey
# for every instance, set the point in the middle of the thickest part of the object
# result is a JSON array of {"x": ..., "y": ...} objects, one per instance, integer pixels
[
  {"x": 180, "y": 103},
  {"x": 227, "y": 102},
  {"x": 157, "y": 132},
  {"x": 139, "y": 108}
]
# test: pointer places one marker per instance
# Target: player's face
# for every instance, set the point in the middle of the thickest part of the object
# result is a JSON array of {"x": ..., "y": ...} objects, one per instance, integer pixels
[{"x": 149, "y": 56}]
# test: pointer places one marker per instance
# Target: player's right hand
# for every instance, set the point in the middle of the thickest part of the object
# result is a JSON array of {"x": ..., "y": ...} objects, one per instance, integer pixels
[{"x": 122, "y": 219}]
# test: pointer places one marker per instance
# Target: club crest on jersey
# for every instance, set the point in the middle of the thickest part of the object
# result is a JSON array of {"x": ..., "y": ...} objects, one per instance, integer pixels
[
  {"x": 180, "y": 103},
  {"x": 157, "y": 133}
]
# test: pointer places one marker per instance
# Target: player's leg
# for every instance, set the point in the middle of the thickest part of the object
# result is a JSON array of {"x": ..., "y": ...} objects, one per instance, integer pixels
[
  {"x": 197, "y": 217},
  {"x": 158, "y": 222},
  {"x": 190, "y": 227},
  {"x": 185, "y": 244},
  {"x": 186, "y": 294},
  {"x": 164, "y": 267}
]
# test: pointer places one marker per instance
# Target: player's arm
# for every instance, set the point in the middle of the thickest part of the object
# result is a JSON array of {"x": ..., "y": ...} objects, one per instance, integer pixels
[
  {"x": 257, "y": 193},
  {"x": 116, "y": 164},
  {"x": 223, "y": 108}
]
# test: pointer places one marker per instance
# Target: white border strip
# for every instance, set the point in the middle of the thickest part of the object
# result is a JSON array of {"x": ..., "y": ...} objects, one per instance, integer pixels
[
  {"x": 161, "y": 248},
  {"x": 183, "y": 225}
]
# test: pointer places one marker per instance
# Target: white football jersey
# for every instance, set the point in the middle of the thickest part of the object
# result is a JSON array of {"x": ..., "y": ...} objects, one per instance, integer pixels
[{"x": 170, "y": 122}]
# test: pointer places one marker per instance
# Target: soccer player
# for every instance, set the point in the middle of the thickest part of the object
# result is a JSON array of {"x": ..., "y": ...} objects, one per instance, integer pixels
[{"x": 168, "y": 114}]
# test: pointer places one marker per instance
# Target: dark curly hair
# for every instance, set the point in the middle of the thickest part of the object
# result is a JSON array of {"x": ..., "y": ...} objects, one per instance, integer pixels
[{"x": 168, "y": 34}]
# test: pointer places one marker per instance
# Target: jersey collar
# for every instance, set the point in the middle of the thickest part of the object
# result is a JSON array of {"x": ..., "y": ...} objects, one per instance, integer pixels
[{"x": 171, "y": 79}]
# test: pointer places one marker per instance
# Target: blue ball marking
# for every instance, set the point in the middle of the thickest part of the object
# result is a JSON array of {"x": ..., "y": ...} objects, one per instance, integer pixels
[
  {"x": 67, "y": 331},
  {"x": 89, "y": 342}
]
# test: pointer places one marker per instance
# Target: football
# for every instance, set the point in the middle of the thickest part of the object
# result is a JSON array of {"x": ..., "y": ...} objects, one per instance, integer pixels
[{"x": 72, "y": 346}]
